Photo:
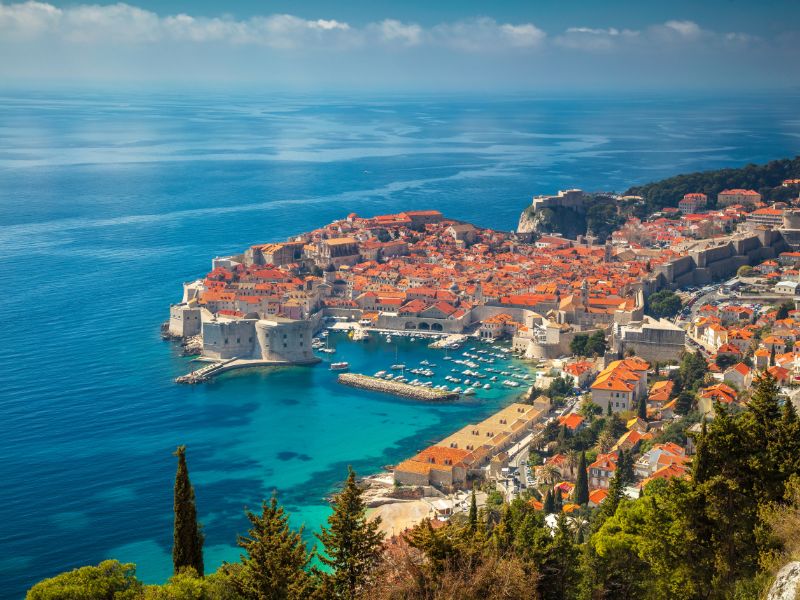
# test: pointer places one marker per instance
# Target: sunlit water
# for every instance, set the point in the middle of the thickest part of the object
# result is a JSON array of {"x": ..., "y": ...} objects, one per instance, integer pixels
[{"x": 108, "y": 202}]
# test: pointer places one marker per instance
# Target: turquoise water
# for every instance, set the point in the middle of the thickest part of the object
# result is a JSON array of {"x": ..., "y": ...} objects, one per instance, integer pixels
[{"x": 109, "y": 201}]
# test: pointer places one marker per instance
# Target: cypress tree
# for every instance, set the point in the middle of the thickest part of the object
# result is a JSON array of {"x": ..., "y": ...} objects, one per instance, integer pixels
[
  {"x": 275, "y": 560},
  {"x": 473, "y": 513},
  {"x": 558, "y": 501},
  {"x": 187, "y": 548},
  {"x": 641, "y": 411},
  {"x": 582, "y": 482},
  {"x": 549, "y": 503},
  {"x": 608, "y": 409},
  {"x": 352, "y": 543}
]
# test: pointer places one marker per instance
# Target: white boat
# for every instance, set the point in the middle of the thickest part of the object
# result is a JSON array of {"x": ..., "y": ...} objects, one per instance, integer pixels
[
  {"x": 486, "y": 386},
  {"x": 328, "y": 350},
  {"x": 380, "y": 373},
  {"x": 457, "y": 390},
  {"x": 397, "y": 367},
  {"x": 469, "y": 392},
  {"x": 340, "y": 366}
]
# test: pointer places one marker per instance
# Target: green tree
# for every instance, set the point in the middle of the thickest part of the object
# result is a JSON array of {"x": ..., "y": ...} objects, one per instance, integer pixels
[
  {"x": 275, "y": 560},
  {"x": 578, "y": 345},
  {"x": 744, "y": 271},
  {"x": 549, "y": 506},
  {"x": 685, "y": 402},
  {"x": 186, "y": 585},
  {"x": 596, "y": 344},
  {"x": 783, "y": 311},
  {"x": 473, "y": 513},
  {"x": 692, "y": 370},
  {"x": 187, "y": 548},
  {"x": 559, "y": 569},
  {"x": 110, "y": 580},
  {"x": 352, "y": 543},
  {"x": 663, "y": 304},
  {"x": 582, "y": 482},
  {"x": 641, "y": 408}
]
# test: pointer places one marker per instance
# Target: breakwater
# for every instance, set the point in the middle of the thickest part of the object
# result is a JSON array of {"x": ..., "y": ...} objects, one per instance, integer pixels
[{"x": 373, "y": 384}]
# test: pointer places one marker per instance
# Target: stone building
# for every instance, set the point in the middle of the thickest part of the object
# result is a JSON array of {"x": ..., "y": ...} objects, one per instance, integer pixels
[{"x": 652, "y": 339}]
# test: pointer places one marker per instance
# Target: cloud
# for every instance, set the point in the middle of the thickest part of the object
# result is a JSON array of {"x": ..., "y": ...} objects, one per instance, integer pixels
[
  {"x": 588, "y": 38},
  {"x": 124, "y": 42},
  {"x": 392, "y": 30},
  {"x": 485, "y": 34},
  {"x": 684, "y": 28}
]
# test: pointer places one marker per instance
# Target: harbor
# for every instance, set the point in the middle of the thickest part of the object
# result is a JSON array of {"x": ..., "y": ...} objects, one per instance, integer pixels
[{"x": 374, "y": 384}]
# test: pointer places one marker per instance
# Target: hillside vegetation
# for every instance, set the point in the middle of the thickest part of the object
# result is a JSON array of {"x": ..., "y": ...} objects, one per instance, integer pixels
[{"x": 765, "y": 179}]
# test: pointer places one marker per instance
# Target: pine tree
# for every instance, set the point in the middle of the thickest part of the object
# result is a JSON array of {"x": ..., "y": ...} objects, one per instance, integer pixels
[
  {"x": 641, "y": 411},
  {"x": 473, "y": 513},
  {"x": 275, "y": 560},
  {"x": 582, "y": 482},
  {"x": 187, "y": 549},
  {"x": 352, "y": 543}
]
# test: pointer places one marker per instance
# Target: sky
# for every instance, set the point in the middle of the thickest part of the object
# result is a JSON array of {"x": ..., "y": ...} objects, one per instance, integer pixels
[{"x": 407, "y": 45}]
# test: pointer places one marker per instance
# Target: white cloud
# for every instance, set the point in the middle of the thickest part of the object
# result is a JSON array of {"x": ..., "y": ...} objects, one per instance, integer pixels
[
  {"x": 27, "y": 20},
  {"x": 484, "y": 34},
  {"x": 589, "y": 38},
  {"x": 684, "y": 28},
  {"x": 120, "y": 24},
  {"x": 392, "y": 30}
]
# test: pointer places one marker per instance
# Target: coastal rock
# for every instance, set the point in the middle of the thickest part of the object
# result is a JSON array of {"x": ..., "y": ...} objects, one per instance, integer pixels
[
  {"x": 528, "y": 221},
  {"x": 787, "y": 583}
]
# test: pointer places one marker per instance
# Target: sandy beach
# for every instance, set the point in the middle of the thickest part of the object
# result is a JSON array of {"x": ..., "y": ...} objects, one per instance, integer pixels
[{"x": 399, "y": 516}]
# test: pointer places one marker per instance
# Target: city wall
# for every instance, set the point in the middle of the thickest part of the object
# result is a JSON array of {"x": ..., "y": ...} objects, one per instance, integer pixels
[{"x": 704, "y": 266}]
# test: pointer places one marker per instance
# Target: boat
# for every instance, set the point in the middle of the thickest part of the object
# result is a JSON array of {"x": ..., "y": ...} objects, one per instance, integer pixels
[
  {"x": 397, "y": 367},
  {"x": 486, "y": 386},
  {"x": 340, "y": 366},
  {"x": 469, "y": 392},
  {"x": 380, "y": 373},
  {"x": 359, "y": 335}
]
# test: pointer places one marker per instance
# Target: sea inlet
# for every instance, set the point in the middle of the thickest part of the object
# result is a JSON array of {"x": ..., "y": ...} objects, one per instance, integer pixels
[{"x": 294, "y": 430}]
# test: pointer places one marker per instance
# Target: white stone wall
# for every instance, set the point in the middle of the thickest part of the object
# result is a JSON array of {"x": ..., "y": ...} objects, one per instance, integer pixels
[{"x": 184, "y": 321}]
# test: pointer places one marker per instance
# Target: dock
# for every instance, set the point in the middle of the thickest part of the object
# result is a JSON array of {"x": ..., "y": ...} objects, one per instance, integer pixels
[
  {"x": 204, "y": 373},
  {"x": 373, "y": 384}
]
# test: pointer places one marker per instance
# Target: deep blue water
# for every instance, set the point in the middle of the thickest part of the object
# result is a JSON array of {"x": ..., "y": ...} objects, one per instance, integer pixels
[{"x": 109, "y": 201}]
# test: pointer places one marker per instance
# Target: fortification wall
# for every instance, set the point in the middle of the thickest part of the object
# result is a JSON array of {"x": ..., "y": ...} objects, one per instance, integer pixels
[
  {"x": 704, "y": 266},
  {"x": 229, "y": 339},
  {"x": 285, "y": 341},
  {"x": 184, "y": 321}
]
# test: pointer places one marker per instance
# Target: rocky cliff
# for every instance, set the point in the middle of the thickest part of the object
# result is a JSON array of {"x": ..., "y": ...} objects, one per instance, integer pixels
[
  {"x": 528, "y": 222},
  {"x": 787, "y": 583}
]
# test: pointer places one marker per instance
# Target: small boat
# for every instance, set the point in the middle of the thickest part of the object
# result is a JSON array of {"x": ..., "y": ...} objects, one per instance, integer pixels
[
  {"x": 469, "y": 392},
  {"x": 397, "y": 367},
  {"x": 486, "y": 386},
  {"x": 328, "y": 350},
  {"x": 340, "y": 366},
  {"x": 380, "y": 373}
]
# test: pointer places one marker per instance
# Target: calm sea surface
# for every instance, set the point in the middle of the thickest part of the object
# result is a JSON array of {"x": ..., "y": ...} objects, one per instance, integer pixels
[{"x": 108, "y": 202}]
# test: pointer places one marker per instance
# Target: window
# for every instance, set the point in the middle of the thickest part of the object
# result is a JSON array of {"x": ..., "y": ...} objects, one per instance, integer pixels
[
  {"x": 238, "y": 340},
  {"x": 226, "y": 340}
]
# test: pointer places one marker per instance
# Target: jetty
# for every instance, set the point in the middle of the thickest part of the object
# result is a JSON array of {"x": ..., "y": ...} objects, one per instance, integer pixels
[
  {"x": 448, "y": 341},
  {"x": 204, "y": 373},
  {"x": 373, "y": 384}
]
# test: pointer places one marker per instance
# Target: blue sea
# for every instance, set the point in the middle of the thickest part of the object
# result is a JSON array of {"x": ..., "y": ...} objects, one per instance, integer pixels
[{"x": 110, "y": 200}]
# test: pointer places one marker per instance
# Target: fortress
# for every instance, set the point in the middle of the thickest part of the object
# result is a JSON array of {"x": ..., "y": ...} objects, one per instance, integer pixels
[{"x": 573, "y": 199}]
